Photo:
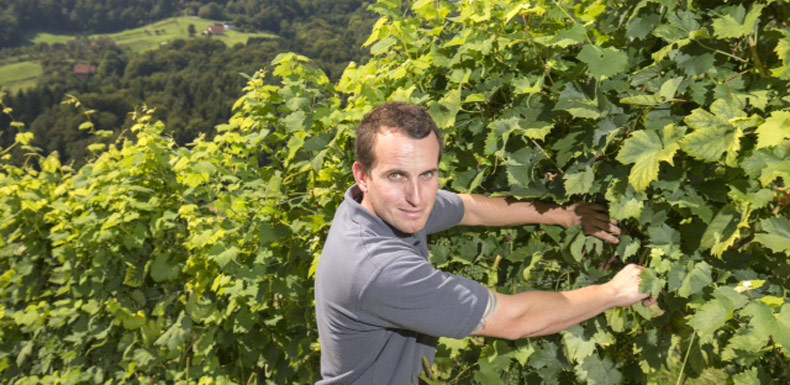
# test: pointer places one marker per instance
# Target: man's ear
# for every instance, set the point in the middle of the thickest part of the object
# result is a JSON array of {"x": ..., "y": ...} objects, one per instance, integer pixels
[{"x": 360, "y": 176}]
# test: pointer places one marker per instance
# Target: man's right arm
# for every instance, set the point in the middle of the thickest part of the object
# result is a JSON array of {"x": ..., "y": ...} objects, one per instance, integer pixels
[{"x": 538, "y": 313}]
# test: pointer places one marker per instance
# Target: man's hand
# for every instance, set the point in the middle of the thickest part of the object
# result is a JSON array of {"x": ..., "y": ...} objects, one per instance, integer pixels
[
  {"x": 594, "y": 219},
  {"x": 624, "y": 287}
]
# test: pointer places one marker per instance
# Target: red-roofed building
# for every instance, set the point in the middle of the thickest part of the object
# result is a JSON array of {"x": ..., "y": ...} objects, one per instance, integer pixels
[
  {"x": 215, "y": 30},
  {"x": 84, "y": 71},
  {"x": 104, "y": 42}
]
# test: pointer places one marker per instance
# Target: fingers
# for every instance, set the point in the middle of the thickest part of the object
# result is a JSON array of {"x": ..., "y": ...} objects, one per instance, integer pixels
[
  {"x": 596, "y": 222},
  {"x": 650, "y": 301},
  {"x": 606, "y": 236},
  {"x": 606, "y": 231}
]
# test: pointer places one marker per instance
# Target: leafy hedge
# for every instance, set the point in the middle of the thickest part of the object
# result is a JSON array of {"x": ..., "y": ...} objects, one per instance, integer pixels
[{"x": 155, "y": 263}]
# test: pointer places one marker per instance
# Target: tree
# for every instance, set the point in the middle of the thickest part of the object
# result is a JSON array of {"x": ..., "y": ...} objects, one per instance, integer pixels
[
  {"x": 112, "y": 64},
  {"x": 211, "y": 11}
]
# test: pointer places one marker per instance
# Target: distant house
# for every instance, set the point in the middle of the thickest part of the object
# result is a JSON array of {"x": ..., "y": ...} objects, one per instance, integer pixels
[
  {"x": 103, "y": 42},
  {"x": 215, "y": 30},
  {"x": 84, "y": 71},
  {"x": 229, "y": 27}
]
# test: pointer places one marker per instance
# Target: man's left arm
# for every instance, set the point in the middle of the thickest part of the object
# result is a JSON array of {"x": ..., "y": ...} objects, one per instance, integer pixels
[{"x": 480, "y": 210}]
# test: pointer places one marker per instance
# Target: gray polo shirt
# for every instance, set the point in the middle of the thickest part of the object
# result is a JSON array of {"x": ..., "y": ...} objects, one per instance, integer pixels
[{"x": 380, "y": 304}]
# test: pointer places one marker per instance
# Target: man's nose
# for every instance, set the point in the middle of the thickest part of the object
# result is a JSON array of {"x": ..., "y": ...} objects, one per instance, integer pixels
[{"x": 413, "y": 195}]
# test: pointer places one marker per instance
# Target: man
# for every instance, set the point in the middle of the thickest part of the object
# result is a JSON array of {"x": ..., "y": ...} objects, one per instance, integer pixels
[{"x": 381, "y": 305}]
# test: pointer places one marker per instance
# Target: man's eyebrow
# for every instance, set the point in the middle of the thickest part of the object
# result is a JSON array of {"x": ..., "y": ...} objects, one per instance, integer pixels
[
  {"x": 395, "y": 171},
  {"x": 434, "y": 170},
  {"x": 401, "y": 171}
]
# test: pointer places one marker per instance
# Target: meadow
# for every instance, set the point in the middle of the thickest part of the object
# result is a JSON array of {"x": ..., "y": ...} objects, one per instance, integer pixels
[
  {"x": 153, "y": 35},
  {"x": 19, "y": 75}
]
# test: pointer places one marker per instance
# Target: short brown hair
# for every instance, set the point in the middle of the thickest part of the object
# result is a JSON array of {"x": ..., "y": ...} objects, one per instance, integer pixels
[{"x": 402, "y": 117}]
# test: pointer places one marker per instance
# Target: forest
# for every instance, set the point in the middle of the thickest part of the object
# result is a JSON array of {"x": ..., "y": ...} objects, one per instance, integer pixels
[{"x": 192, "y": 83}]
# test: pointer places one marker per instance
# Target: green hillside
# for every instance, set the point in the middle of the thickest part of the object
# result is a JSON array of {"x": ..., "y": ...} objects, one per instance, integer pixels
[
  {"x": 153, "y": 35},
  {"x": 19, "y": 75}
]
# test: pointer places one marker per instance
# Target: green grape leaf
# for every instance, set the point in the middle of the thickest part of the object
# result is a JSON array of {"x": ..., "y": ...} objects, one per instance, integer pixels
[
  {"x": 134, "y": 275},
  {"x": 603, "y": 62},
  {"x": 568, "y": 37},
  {"x": 711, "y": 316},
  {"x": 735, "y": 24},
  {"x": 294, "y": 145},
  {"x": 775, "y": 129},
  {"x": 224, "y": 255},
  {"x": 162, "y": 269},
  {"x": 765, "y": 324},
  {"x": 646, "y": 149},
  {"x": 577, "y": 103},
  {"x": 713, "y": 136},
  {"x": 382, "y": 46},
  {"x": 580, "y": 182},
  {"x": 426, "y": 9},
  {"x": 51, "y": 164},
  {"x": 722, "y": 232},
  {"x": 782, "y": 50},
  {"x": 578, "y": 344},
  {"x": 536, "y": 130},
  {"x": 695, "y": 64},
  {"x": 745, "y": 341},
  {"x": 650, "y": 283},
  {"x": 643, "y": 100},
  {"x": 446, "y": 109},
  {"x": 768, "y": 164},
  {"x": 669, "y": 88},
  {"x": 680, "y": 25},
  {"x": 599, "y": 372},
  {"x": 175, "y": 336},
  {"x": 775, "y": 235},
  {"x": 527, "y": 85},
  {"x": 697, "y": 279},
  {"x": 640, "y": 27},
  {"x": 495, "y": 359},
  {"x": 624, "y": 202},
  {"x": 747, "y": 377}
]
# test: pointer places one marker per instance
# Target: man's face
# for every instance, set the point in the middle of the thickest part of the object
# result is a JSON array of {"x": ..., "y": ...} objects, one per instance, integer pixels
[{"x": 401, "y": 186}]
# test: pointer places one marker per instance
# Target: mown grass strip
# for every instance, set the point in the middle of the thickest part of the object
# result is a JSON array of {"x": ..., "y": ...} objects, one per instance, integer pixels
[
  {"x": 153, "y": 35},
  {"x": 19, "y": 75}
]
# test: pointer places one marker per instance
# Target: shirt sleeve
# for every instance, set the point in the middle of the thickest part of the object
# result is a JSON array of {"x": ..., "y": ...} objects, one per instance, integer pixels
[
  {"x": 448, "y": 211},
  {"x": 409, "y": 293}
]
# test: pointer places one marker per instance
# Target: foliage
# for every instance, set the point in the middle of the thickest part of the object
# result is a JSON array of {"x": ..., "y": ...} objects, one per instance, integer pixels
[
  {"x": 161, "y": 263},
  {"x": 168, "y": 264}
]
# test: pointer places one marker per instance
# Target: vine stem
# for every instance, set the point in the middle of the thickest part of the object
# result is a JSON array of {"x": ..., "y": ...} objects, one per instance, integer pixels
[
  {"x": 685, "y": 359},
  {"x": 9, "y": 148},
  {"x": 756, "y": 56},
  {"x": 586, "y": 37},
  {"x": 547, "y": 156},
  {"x": 716, "y": 50}
]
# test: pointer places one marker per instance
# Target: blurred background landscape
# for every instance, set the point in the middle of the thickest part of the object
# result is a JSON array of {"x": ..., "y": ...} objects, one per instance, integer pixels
[{"x": 187, "y": 59}]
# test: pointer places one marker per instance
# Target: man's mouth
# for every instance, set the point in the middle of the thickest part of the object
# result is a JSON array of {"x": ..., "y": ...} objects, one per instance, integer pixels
[{"x": 412, "y": 213}]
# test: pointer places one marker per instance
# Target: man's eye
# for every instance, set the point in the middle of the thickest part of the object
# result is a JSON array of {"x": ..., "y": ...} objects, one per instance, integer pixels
[
  {"x": 428, "y": 175},
  {"x": 395, "y": 176}
]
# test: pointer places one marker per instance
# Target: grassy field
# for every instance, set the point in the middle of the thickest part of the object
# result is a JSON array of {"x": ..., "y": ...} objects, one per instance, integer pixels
[
  {"x": 20, "y": 75},
  {"x": 153, "y": 35}
]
